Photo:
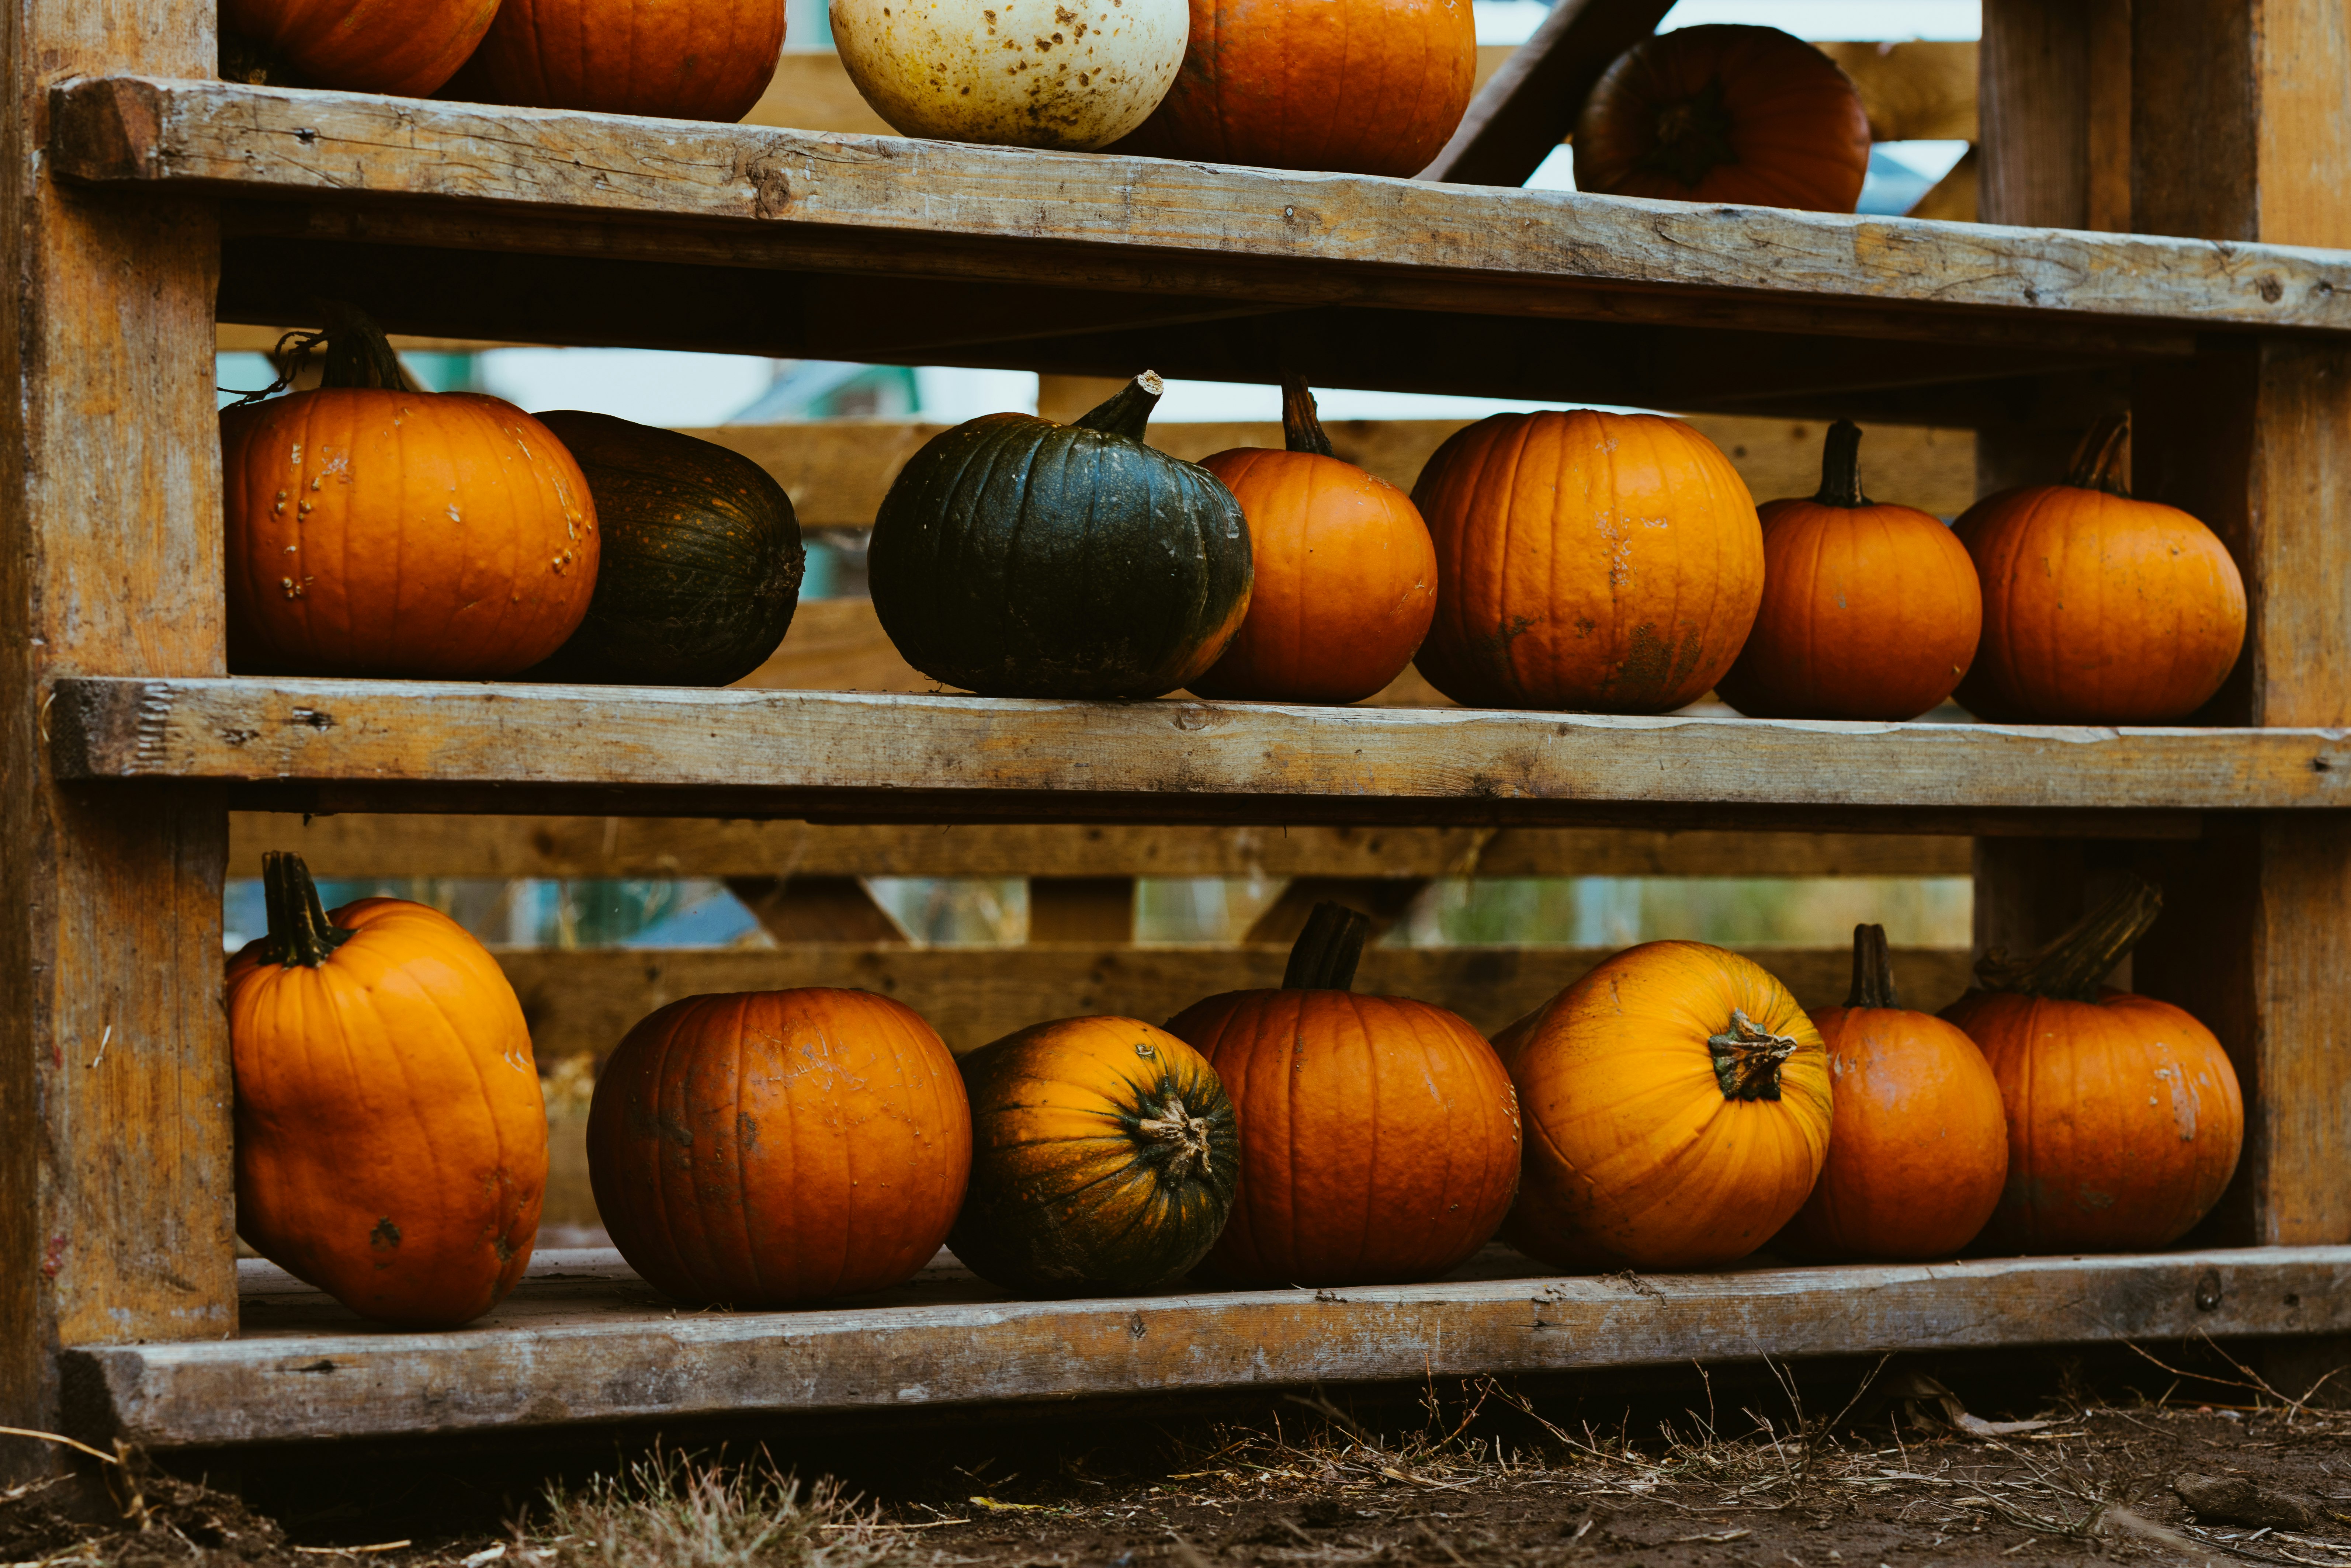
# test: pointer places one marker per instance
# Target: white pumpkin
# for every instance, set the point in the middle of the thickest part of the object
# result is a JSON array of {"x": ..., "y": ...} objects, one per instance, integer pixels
[{"x": 1074, "y": 74}]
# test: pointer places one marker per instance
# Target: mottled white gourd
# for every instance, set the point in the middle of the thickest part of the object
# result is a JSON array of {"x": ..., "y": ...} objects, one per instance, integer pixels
[{"x": 1070, "y": 74}]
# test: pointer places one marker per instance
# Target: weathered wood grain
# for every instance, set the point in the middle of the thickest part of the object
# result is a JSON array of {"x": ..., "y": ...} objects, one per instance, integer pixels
[
  {"x": 584, "y": 1340},
  {"x": 1528, "y": 105},
  {"x": 1394, "y": 241}
]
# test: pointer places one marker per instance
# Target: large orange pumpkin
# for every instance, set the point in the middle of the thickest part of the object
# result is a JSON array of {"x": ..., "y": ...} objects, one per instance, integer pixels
[
  {"x": 1601, "y": 561},
  {"x": 1346, "y": 576},
  {"x": 1919, "y": 1143},
  {"x": 1676, "y": 1103},
  {"x": 1725, "y": 113},
  {"x": 406, "y": 48},
  {"x": 2125, "y": 1118},
  {"x": 1352, "y": 87},
  {"x": 390, "y": 1137},
  {"x": 2098, "y": 609},
  {"x": 679, "y": 59},
  {"x": 768, "y": 1148},
  {"x": 377, "y": 530},
  {"x": 1379, "y": 1135},
  {"x": 1870, "y": 610}
]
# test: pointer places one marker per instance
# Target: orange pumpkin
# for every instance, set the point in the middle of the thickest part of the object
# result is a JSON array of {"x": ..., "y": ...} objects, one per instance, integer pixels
[
  {"x": 2125, "y": 1118},
  {"x": 1352, "y": 87},
  {"x": 1379, "y": 1135},
  {"x": 1608, "y": 562},
  {"x": 2098, "y": 609},
  {"x": 768, "y": 1148},
  {"x": 1677, "y": 1111},
  {"x": 679, "y": 59},
  {"x": 1917, "y": 1140},
  {"x": 406, "y": 48},
  {"x": 1346, "y": 576},
  {"x": 1870, "y": 610},
  {"x": 374, "y": 530},
  {"x": 390, "y": 1137},
  {"x": 1725, "y": 113}
]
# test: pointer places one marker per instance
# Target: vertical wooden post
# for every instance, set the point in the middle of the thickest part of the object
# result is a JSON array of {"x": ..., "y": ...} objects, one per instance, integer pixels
[{"x": 116, "y": 1187}]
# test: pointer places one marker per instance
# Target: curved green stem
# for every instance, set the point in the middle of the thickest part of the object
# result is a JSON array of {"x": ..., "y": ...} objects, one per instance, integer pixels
[
  {"x": 1301, "y": 429},
  {"x": 1841, "y": 467},
  {"x": 1325, "y": 955},
  {"x": 1748, "y": 1057},
  {"x": 2098, "y": 461},
  {"x": 2073, "y": 965},
  {"x": 1128, "y": 413},
  {"x": 1873, "y": 969},
  {"x": 299, "y": 931}
]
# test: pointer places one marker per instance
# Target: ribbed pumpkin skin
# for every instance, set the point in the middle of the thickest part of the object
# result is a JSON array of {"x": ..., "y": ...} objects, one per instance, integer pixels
[
  {"x": 701, "y": 564},
  {"x": 1018, "y": 557},
  {"x": 405, "y": 47},
  {"x": 1346, "y": 579},
  {"x": 1352, "y": 87},
  {"x": 768, "y": 1148},
  {"x": 1636, "y": 1157},
  {"x": 1795, "y": 131},
  {"x": 402, "y": 534},
  {"x": 1868, "y": 612},
  {"x": 679, "y": 59},
  {"x": 1917, "y": 1146},
  {"x": 1605, "y": 562},
  {"x": 391, "y": 1135},
  {"x": 1088, "y": 1136},
  {"x": 1379, "y": 1135},
  {"x": 2098, "y": 609},
  {"x": 2124, "y": 1119}
]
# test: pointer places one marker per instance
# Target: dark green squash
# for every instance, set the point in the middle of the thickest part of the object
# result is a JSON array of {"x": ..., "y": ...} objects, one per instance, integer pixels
[
  {"x": 1104, "y": 1157},
  {"x": 702, "y": 559},
  {"x": 1018, "y": 558}
]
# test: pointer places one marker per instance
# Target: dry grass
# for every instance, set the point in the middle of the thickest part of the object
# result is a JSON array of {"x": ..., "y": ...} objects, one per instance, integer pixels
[{"x": 666, "y": 1511}]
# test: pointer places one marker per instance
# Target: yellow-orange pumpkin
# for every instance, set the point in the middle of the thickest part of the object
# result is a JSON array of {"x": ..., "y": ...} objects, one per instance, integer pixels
[
  {"x": 768, "y": 1148},
  {"x": 1919, "y": 1143},
  {"x": 2098, "y": 609},
  {"x": 2125, "y": 1118},
  {"x": 1346, "y": 576},
  {"x": 374, "y": 530},
  {"x": 1677, "y": 1103},
  {"x": 405, "y": 47},
  {"x": 1379, "y": 1135},
  {"x": 679, "y": 59},
  {"x": 1104, "y": 1158},
  {"x": 1725, "y": 113},
  {"x": 1870, "y": 610},
  {"x": 1600, "y": 561},
  {"x": 391, "y": 1136}
]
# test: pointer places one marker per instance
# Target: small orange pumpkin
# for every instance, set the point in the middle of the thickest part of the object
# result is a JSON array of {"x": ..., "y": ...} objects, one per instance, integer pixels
[
  {"x": 374, "y": 530},
  {"x": 679, "y": 59},
  {"x": 1379, "y": 1135},
  {"x": 1725, "y": 113},
  {"x": 1919, "y": 1143},
  {"x": 1677, "y": 1111},
  {"x": 2125, "y": 1118},
  {"x": 1608, "y": 562},
  {"x": 1350, "y": 86},
  {"x": 391, "y": 1135},
  {"x": 1870, "y": 610},
  {"x": 769, "y": 1148},
  {"x": 1346, "y": 576},
  {"x": 405, "y": 47},
  {"x": 2098, "y": 609}
]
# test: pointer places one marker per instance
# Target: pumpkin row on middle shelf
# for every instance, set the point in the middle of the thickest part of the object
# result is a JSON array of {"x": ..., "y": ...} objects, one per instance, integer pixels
[{"x": 1574, "y": 561}]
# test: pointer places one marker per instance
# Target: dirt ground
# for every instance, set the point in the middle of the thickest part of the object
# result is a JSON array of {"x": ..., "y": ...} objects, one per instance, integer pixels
[{"x": 1745, "y": 1473}]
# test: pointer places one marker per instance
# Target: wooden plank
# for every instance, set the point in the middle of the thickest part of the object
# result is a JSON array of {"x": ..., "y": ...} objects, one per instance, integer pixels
[
  {"x": 1528, "y": 105},
  {"x": 1385, "y": 899},
  {"x": 115, "y": 1186},
  {"x": 869, "y": 204},
  {"x": 1096, "y": 909},
  {"x": 815, "y": 909},
  {"x": 811, "y": 90},
  {"x": 584, "y": 1340}
]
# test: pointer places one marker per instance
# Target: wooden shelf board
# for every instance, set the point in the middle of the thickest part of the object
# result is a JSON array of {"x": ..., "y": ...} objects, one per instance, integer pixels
[
  {"x": 361, "y": 744},
  {"x": 584, "y": 1340}
]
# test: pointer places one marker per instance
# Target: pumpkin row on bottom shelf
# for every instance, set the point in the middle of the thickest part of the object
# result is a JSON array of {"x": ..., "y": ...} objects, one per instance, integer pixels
[{"x": 1678, "y": 1110}]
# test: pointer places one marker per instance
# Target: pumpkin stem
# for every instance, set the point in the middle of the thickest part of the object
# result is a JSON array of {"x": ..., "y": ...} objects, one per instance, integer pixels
[
  {"x": 1747, "y": 1059},
  {"x": 1129, "y": 414},
  {"x": 1873, "y": 971},
  {"x": 1301, "y": 431},
  {"x": 2072, "y": 966},
  {"x": 1841, "y": 467},
  {"x": 1324, "y": 956},
  {"x": 2098, "y": 461},
  {"x": 1175, "y": 1125},
  {"x": 299, "y": 931},
  {"x": 358, "y": 353},
  {"x": 1693, "y": 136}
]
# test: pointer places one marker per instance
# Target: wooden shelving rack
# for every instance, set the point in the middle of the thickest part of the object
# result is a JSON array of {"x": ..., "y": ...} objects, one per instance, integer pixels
[{"x": 150, "y": 202}]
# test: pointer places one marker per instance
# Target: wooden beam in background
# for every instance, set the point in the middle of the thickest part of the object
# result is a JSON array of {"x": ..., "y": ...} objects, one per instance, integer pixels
[
  {"x": 1529, "y": 106},
  {"x": 816, "y": 909},
  {"x": 1096, "y": 909}
]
